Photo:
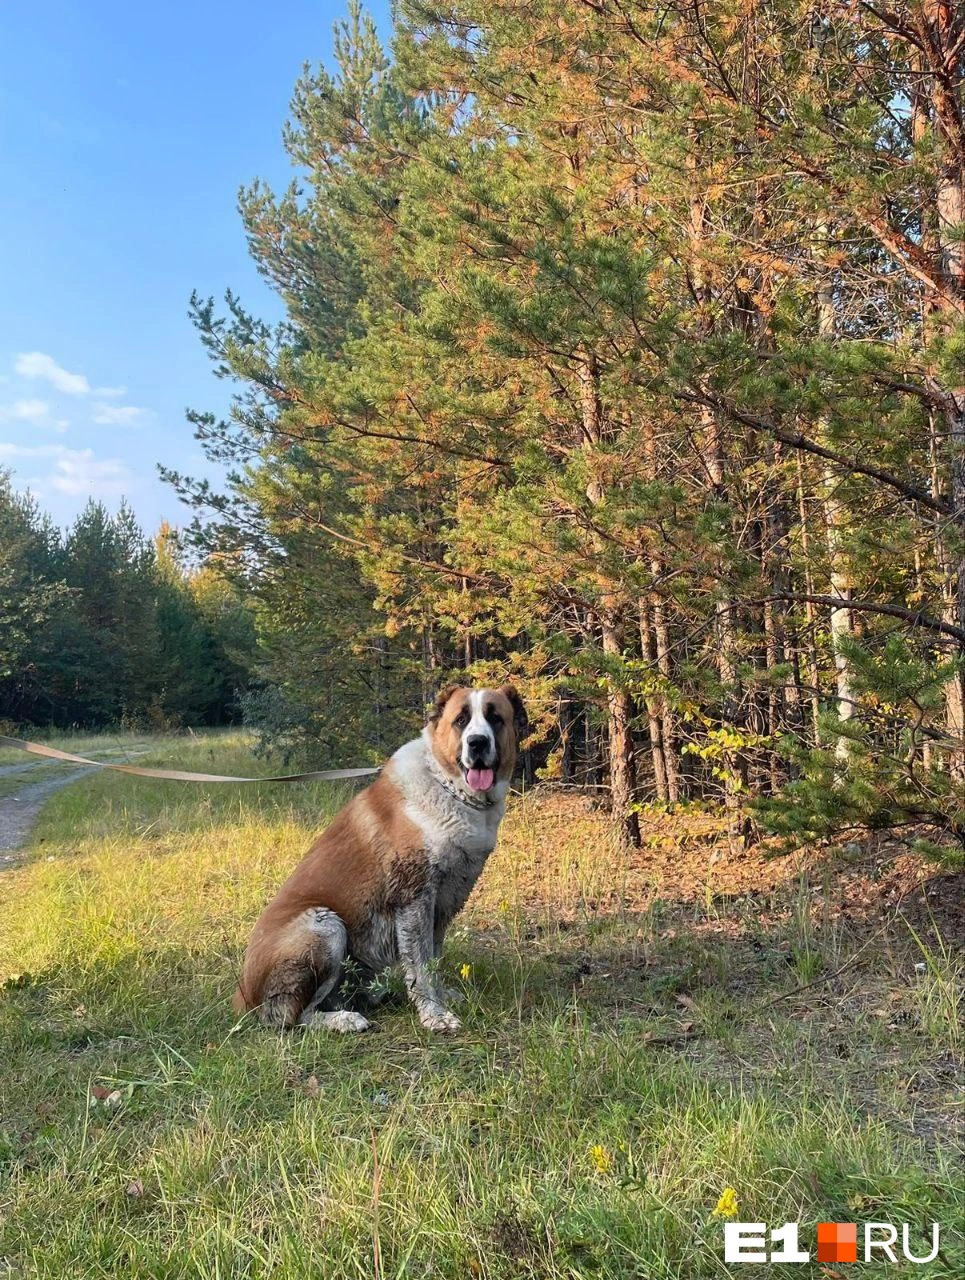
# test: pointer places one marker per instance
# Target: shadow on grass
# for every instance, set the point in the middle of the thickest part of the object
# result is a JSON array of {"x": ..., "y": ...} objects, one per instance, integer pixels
[
  {"x": 611, "y": 1078},
  {"x": 671, "y": 978}
]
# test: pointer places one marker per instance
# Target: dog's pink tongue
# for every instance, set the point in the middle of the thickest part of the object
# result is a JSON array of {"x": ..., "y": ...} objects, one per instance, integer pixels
[{"x": 479, "y": 779}]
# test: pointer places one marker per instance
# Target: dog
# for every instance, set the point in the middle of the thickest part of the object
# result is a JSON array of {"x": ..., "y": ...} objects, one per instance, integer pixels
[{"x": 385, "y": 879}]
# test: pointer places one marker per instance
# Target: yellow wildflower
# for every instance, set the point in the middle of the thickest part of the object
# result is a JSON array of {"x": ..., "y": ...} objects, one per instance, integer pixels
[
  {"x": 600, "y": 1158},
  {"x": 464, "y": 972},
  {"x": 727, "y": 1204}
]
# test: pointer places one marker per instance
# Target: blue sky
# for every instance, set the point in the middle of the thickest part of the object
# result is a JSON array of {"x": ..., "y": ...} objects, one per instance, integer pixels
[{"x": 125, "y": 133}]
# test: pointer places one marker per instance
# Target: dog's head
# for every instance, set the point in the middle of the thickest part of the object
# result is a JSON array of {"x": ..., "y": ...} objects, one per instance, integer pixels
[{"x": 474, "y": 734}]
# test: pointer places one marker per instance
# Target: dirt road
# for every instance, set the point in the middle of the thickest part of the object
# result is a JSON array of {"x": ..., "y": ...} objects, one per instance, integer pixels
[{"x": 18, "y": 810}]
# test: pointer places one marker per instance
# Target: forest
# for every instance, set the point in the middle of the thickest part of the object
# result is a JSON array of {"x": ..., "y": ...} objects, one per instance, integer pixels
[
  {"x": 103, "y": 627},
  {"x": 623, "y": 357}
]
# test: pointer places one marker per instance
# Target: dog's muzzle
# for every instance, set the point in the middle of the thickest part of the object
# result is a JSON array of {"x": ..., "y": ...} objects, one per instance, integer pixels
[
  {"x": 480, "y": 752},
  {"x": 479, "y": 761}
]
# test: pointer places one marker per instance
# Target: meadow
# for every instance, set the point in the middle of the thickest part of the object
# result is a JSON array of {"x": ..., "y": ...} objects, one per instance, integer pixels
[{"x": 641, "y": 1033}]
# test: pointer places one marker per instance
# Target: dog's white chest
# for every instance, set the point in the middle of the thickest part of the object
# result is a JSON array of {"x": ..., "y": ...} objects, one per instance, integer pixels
[
  {"x": 454, "y": 832},
  {"x": 458, "y": 837}
]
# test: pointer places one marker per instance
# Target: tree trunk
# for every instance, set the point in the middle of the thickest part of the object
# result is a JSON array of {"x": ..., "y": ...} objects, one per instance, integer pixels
[
  {"x": 619, "y": 711},
  {"x": 567, "y": 722},
  {"x": 671, "y": 737},
  {"x": 734, "y": 761},
  {"x": 655, "y": 645},
  {"x": 834, "y": 516},
  {"x": 712, "y": 456},
  {"x": 951, "y": 558},
  {"x": 648, "y": 648},
  {"x": 775, "y": 575},
  {"x": 814, "y": 671},
  {"x": 622, "y": 776},
  {"x": 841, "y": 624},
  {"x": 943, "y": 28}
]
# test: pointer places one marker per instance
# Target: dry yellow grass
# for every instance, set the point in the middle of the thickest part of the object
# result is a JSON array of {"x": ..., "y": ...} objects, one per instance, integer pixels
[{"x": 617, "y": 1071}]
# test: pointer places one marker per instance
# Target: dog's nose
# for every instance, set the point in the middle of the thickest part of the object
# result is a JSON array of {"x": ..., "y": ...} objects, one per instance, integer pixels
[{"x": 478, "y": 744}]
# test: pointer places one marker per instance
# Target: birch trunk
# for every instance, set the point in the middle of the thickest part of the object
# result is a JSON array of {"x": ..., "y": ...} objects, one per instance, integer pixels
[
  {"x": 648, "y": 648},
  {"x": 809, "y": 610},
  {"x": 655, "y": 645},
  {"x": 937, "y": 119},
  {"x": 834, "y": 518},
  {"x": 671, "y": 737},
  {"x": 944, "y": 25}
]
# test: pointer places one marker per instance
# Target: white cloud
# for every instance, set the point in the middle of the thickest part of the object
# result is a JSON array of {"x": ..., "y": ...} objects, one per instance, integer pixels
[
  {"x": 110, "y": 393},
  {"x": 35, "y": 364},
  {"x": 30, "y": 410},
  {"x": 33, "y": 411},
  {"x": 79, "y": 472},
  {"x": 122, "y": 415},
  {"x": 14, "y": 451},
  {"x": 74, "y": 471},
  {"x": 26, "y": 410}
]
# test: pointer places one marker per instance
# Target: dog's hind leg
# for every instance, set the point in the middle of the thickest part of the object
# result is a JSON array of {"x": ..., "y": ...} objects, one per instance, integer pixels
[
  {"x": 306, "y": 969},
  {"x": 326, "y": 1011},
  {"x": 335, "y": 1020}
]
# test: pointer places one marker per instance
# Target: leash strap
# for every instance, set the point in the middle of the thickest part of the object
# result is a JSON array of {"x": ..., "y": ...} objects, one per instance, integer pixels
[{"x": 179, "y": 775}]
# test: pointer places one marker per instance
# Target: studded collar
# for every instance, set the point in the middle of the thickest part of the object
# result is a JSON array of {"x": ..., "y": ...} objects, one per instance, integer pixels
[{"x": 447, "y": 785}]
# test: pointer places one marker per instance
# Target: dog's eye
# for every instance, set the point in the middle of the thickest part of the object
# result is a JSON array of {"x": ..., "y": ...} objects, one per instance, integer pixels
[
  {"x": 494, "y": 718},
  {"x": 461, "y": 720}
]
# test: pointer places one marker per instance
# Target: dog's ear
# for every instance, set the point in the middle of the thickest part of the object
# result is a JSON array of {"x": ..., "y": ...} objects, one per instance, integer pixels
[
  {"x": 434, "y": 714},
  {"x": 520, "y": 718}
]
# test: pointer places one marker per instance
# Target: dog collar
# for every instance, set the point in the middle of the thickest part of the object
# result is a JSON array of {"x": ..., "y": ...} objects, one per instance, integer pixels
[{"x": 461, "y": 796}]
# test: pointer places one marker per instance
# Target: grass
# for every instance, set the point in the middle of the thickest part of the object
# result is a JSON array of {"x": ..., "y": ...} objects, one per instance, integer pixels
[
  {"x": 104, "y": 745},
  {"x": 628, "y": 1052}
]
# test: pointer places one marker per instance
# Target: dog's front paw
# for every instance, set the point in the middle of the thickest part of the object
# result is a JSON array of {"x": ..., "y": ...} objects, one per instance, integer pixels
[{"x": 439, "y": 1020}]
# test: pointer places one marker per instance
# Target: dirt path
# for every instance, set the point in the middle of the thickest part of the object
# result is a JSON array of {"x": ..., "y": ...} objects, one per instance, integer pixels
[
  {"x": 17, "y": 811},
  {"x": 8, "y": 770}
]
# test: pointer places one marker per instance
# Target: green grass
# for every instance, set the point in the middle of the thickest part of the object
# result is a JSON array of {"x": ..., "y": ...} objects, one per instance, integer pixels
[
  {"x": 592, "y": 1020},
  {"x": 109, "y": 743}
]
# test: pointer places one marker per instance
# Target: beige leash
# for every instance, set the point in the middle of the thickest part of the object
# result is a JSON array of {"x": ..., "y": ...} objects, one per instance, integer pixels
[{"x": 179, "y": 775}]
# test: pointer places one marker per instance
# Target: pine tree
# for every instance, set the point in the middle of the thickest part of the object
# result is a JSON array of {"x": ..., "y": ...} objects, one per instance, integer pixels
[
  {"x": 621, "y": 354},
  {"x": 28, "y": 597},
  {"x": 100, "y": 627}
]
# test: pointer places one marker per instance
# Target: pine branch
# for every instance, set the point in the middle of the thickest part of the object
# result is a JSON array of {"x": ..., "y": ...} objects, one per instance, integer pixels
[
  {"x": 915, "y": 616},
  {"x": 799, "y": 441}
]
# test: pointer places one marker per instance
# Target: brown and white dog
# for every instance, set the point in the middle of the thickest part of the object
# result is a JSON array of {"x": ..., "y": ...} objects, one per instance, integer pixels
[{"x": 384, "y": 880}]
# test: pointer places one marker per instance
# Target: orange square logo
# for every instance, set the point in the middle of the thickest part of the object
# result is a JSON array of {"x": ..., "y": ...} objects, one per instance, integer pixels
[{"x": 837, "y": 1242}]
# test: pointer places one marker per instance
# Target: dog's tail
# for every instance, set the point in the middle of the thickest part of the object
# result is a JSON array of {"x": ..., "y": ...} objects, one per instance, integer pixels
[{"x": 239, "y": 1002}]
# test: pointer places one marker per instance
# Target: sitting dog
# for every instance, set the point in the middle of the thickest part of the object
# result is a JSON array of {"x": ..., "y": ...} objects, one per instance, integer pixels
[{"x": 385, "y": 879}]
